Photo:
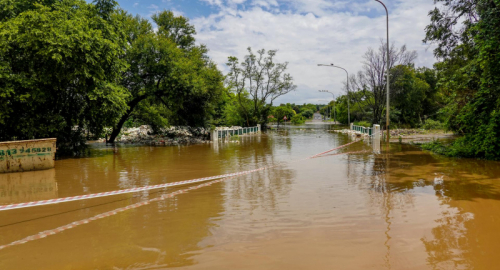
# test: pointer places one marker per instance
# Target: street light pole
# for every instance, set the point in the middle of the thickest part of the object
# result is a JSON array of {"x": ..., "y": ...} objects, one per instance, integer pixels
[
  {"x": 387, "y": 82},
  {"x": 348, "y": 95}
]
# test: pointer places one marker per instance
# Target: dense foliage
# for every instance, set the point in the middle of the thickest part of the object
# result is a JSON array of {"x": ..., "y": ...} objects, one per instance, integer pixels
[
  {"x": 60, "y": 67},
  {"x": 467, "y": 34},
  {"x": 414, "y": 98},
  {"x": 169, "y": 79},
  {"x": 70, "y": 68}
]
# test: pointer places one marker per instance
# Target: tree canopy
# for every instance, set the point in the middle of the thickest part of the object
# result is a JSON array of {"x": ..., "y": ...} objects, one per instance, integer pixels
[
  {"x": 60, "y": 65},
  {"x": 467, "y": 34},
  {"x": 259, "y": 80},
  {"x": 177, "y": 79},
  {"x": 69, "y": 68}
]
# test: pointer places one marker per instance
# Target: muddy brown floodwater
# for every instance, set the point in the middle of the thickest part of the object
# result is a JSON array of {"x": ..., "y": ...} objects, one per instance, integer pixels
[{"x": 398, "y": 209}]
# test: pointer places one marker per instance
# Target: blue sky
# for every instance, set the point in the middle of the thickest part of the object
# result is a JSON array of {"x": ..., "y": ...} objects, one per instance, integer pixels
[{"x": 305, "y": 33}]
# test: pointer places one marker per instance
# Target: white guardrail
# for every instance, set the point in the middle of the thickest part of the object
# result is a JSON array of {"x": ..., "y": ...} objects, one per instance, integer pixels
[{"x": 222, "y": 133}]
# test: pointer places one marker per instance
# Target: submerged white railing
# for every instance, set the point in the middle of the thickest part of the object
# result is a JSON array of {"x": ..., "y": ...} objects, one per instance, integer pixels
[{"x": 222, "y": 133}]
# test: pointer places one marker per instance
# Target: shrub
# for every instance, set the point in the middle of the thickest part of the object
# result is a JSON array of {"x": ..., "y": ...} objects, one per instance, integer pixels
[
  {"x": 432, "y": 124},
  {"x": 298, "y": 119},
  {"x": 307, "y": 113},
  {"x": 363, "y": 124}
]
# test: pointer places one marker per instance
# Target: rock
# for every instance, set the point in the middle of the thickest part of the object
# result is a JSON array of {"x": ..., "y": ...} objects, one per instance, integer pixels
[{"x": 166, "y": 136}]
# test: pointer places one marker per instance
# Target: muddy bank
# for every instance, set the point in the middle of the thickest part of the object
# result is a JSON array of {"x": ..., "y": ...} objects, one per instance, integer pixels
[{"x": 411, "y": 136}]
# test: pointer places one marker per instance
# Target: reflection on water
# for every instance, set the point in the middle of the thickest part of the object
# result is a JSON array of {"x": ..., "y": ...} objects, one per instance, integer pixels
[
  {"x": 27, "y": 186},
  {"x": 379, "y": 207},
  {"x": 462, "y": 232}
]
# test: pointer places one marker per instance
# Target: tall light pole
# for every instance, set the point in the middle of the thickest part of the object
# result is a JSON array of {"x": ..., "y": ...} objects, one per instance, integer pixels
[
  {"x": 333, "y": 97},
  {"x": 348, "y": 96},
  {"x": 387, "y": 73}
]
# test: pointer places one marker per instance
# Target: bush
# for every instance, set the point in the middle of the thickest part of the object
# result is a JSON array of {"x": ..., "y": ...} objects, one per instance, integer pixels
[
  {"x": 438, "y": 148},
  {"x": 298, "y": 119},
  {"x": 462, "y": 147},
  {"x": 307, "y": 113},
  {"x": 363, "y": 124},
  {"x": 432, "y": 124}
]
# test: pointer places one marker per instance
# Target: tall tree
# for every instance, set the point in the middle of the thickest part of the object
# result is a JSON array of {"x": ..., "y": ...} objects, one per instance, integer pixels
[
  {"x": 60, "y": 63},
  {"x": 408, "y": 94},
  {"x": 467, "y": 34},
  {"x": 162, "y": 72},
  {"x": 262, "y": 79},
  {"x": 371, "y": 81}
]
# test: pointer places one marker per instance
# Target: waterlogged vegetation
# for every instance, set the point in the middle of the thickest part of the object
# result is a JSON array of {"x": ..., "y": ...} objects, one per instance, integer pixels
[{"x": 77, "y": 70}]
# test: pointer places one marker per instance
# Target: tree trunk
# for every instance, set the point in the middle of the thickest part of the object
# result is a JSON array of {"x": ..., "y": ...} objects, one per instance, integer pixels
[{"x": 118, "y": 127}]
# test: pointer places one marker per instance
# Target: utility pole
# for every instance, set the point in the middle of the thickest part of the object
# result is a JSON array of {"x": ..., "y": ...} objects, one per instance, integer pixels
[{"x": 387, "y": 73}]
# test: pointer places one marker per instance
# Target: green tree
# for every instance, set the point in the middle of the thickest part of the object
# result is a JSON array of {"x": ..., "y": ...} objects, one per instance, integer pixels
[
  {"x": 179, "y": 79},
  {"x": 408, "y": 94},
  {"x": 467, "y": 34},
  {"x": 281, "y": 112},
  {"x": 263, "y": 80},
  {"x": 308, "y": 113},
  {"x": 60, "y": 64},
  {"x": 233, "y": 110},
  {"x": 434, "y": 99},
  {"x": 368, "y": 88},
  {"x": 298, "y": 119}
]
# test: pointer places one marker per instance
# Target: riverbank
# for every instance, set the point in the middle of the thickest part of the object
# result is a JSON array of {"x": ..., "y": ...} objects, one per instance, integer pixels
[
  {"x": 413, "y": 136},
  {"x": 175, "y": 135},
  {"x": 419, "y": 136}
]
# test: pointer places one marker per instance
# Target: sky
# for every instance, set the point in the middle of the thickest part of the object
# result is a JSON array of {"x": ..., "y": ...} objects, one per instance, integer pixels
[{"x": 305, "y": 33}]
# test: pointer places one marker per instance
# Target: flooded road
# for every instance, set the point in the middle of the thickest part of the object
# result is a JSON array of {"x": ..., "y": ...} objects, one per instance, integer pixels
[{"x": 398, "y": 209}]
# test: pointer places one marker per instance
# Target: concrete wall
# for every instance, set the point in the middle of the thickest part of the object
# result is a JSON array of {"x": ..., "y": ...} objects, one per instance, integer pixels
[{"x": 30, "y": 155}]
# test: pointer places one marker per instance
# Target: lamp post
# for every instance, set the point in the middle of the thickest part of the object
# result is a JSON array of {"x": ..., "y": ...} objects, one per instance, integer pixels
[
  {"x": 333, "y": 97},
  {"x": 387, "y": 73},
  {"x": 348, "y": 96}
]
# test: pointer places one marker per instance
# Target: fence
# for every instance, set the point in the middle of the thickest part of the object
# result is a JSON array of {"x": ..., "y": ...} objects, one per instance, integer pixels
[
  {"x": 222, "y": 133},
  {"x": 363, "y": 130}
]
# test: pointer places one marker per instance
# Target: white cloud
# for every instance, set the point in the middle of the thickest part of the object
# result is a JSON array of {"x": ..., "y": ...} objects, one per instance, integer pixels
[
  {"x": 314, "y": 31},
  {"x": 153, "y": 6}
]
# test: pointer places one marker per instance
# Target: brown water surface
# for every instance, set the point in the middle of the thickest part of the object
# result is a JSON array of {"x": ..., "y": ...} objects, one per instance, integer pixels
[{"x": 400, "y": 208}]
